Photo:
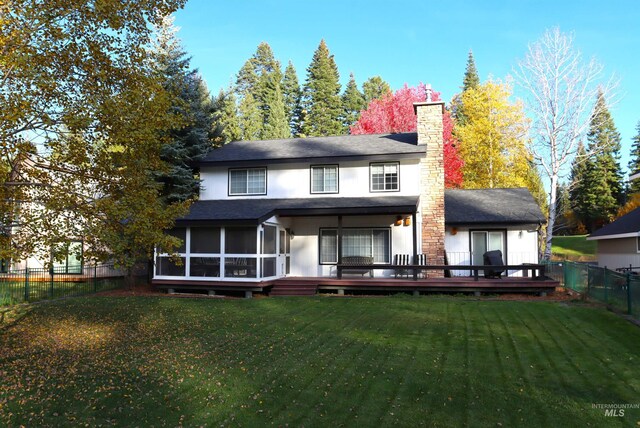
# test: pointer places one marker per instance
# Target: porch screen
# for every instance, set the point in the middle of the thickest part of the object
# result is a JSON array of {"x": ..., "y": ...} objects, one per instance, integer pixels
[{"x": 356, "y": 242}]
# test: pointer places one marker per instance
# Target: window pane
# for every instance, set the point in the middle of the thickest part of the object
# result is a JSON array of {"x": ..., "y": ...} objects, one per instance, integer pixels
[
  {"x": 317, "y": 179},
  {"x": 356, "y": 242},
  {"x": 495, "y": 241},
  {"x": 269, "y": 243},
  {"x": 240, "y": 240},
  {"x": 204, "y": 266},
  {"x": 377, "y": 177},
  {"x": 165, "y": 266},
  {"x": 331, "y": 179},
  {"x": 478, "y": 247},
  {"x": 205, "y": 240},
  {"x": 282, "y": 242},
  {"x": 256, "y": 181},
  {"x": 240, "y": 267},
  {"x": 237, "y": 181},
  {"x": 381, "y": 252},
  {"x": 328, "y": 246},
  {"x": 268, "y": 267}
]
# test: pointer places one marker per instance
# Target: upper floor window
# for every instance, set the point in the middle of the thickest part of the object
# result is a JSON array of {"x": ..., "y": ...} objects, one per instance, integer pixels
[
  {"x": 324, "y": 179},
  {"x": 248, "y": 181},
  {"x": 385, "y": 177}
]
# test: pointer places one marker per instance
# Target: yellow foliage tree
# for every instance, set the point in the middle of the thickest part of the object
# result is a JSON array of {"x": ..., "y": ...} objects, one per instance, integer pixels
[{"x": 493, "y": 141}]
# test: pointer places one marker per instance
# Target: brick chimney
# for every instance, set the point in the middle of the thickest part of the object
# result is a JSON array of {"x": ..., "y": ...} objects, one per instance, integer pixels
[{"x": 432, "y": 181}]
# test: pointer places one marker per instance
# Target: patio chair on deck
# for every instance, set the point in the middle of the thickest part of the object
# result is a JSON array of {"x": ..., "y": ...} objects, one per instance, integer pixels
[{"x": 403, "y": 260}]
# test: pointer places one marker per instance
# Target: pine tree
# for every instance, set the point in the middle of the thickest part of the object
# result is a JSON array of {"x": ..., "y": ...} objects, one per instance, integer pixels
[
  {"x": 321, "y": 95},
  {"x": 226, "y": 120},
  {"x": 471, "y": 79},
  {"x": 259, "y": 87},
  {"x": 598, "y": 189},
  {"x": 374, "y": 88},
  {"x": 292, "y": 95},
  {"x": 352, "y": 103},
  {"x": 634, "y": 163},
  {"x": 193, "y": 102}
]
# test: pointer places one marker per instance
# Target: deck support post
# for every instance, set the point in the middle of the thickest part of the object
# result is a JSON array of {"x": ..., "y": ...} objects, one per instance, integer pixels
[
  {"x": 211, "y": 292},
  {"x": 477, "y": 293},
  {"x": 248, "y": 294},
  {"x": 543, "y": 294},
  {"x": 416, "y": 293},
  {"x": 341, "y": 292},
  {"x": 171, "y": 291}
]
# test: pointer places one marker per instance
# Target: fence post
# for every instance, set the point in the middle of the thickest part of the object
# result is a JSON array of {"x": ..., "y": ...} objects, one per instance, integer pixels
[
  {"x": 26, "y": 284},
  {"x": 95, "y": 278},
  {"x": 51, "y": 273},
  {"x": 604, "y": 279},
  {"x": 629, "y": 305}
]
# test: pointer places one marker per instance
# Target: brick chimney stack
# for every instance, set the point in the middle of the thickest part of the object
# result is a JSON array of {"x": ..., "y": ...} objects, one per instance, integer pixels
[{"x": 430, "y": 130}]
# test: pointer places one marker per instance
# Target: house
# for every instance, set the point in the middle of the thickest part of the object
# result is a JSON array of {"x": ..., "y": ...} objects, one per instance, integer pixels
[
  {"x": 295, "y": 207},
  {"x": 618, "y": 243}
]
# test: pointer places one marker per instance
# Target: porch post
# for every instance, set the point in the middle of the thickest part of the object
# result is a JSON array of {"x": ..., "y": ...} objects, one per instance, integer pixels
[
  {"x": 415, "y": 244},
  {"x": 339, "y": 245}
]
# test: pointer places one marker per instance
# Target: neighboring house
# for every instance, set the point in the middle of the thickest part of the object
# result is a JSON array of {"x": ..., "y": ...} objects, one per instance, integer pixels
[
  {"x": 295, "y": 207},
  {"x": 618, "y": 243}
]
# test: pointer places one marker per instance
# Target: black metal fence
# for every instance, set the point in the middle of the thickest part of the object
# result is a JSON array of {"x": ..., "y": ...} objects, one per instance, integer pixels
[
  {"x": 35, "y": 284},
  {"x": 620, "y": 290}
]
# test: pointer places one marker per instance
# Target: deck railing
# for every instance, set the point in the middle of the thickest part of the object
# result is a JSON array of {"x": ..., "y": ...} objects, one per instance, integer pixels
[{"x": 538, "y": 271}]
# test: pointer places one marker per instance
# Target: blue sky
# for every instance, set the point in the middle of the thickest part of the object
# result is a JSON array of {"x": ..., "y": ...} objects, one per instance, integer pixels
[{"x": 415, "y": 41}]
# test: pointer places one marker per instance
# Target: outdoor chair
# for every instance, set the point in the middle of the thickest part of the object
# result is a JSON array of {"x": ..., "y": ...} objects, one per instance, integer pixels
[{"x": 401, "y": 260}]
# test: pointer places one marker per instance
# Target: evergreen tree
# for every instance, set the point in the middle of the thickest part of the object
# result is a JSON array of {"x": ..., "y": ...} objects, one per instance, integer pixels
[
  {"x": 292, "y": 95},
  {"x": 352, "y": 103},
  {"x": 321, "y": 95},
  {"x": 598, "y": 189},
  {"x": 259, "y": 87},
  {"x": 226, "y": 121},
  {"x": 193, "y": 103},
  {"x": 471, "y": 79},
  {"x": 634, "y": 163},
  {"x": 374, "y": 88}
]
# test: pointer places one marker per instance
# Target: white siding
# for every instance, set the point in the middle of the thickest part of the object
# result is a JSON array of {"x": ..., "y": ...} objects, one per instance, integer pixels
[{"x": 294, "y": 181}]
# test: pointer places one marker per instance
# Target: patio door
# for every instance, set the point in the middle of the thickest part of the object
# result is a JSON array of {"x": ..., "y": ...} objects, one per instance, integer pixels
[
  {"x": 284, "y": 256},
  {"x": 483, "y": 241}
]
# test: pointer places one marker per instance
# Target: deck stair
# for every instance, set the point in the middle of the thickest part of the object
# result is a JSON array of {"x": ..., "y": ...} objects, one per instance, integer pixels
[{"x": 294, "y": 288}]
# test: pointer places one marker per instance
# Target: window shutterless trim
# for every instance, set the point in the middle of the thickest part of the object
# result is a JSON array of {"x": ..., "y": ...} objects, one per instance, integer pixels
[
  {"x": 311, "y": 191},
  {"x": 264, "y": 168},
  {"x": 371, "y": 176}
]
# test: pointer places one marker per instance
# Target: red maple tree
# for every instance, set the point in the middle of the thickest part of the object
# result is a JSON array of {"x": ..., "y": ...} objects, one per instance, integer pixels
[{"x": 394, "y": 113}]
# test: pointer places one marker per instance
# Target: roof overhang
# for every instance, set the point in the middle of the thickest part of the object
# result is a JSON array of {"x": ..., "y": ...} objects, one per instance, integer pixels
[
  {"x": 316, "y": 160},
  {"x": 619, "y": 236}
]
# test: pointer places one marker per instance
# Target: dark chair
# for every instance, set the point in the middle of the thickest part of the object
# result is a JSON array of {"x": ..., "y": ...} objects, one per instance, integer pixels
[{"x": 493, "y": 258}]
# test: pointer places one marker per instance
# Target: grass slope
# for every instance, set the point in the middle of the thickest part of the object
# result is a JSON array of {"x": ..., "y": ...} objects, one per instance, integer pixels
[
  {"x": 317, "y": 362},
  {"x": 573, "y": 248}
]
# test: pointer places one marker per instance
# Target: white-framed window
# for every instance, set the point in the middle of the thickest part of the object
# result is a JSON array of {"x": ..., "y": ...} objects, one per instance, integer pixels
[
  {"x": 324, "y": 179},
  {"x": 248, "y": 181},
  {"x": 367, "y": 242},
  {"x": 385, "y": 176}
]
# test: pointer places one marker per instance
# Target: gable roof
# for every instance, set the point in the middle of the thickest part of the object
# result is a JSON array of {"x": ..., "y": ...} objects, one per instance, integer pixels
[
  {"x": 317, "y": 149},
  {"x": 254, "y": 211},
  {"x": 626, "y": 226},
  {"x": 491, "y": 207}
]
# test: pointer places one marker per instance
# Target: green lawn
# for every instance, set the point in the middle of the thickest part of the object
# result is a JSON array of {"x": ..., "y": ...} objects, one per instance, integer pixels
[
  {"x": 317, "y": 362},
  {"x": 573, "y": 248}
]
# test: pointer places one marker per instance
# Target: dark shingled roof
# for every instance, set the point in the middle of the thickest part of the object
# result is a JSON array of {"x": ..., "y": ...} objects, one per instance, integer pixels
[
  {"x": 317, "y": 149},
  {"x": 628, "y": 223},
  {"x": 491, "y": 206},
  {"x": 253, "y": 211}
]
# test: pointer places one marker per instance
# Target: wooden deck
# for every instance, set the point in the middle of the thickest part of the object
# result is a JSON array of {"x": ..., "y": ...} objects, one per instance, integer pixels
[{"x": 291, "y": 286}]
